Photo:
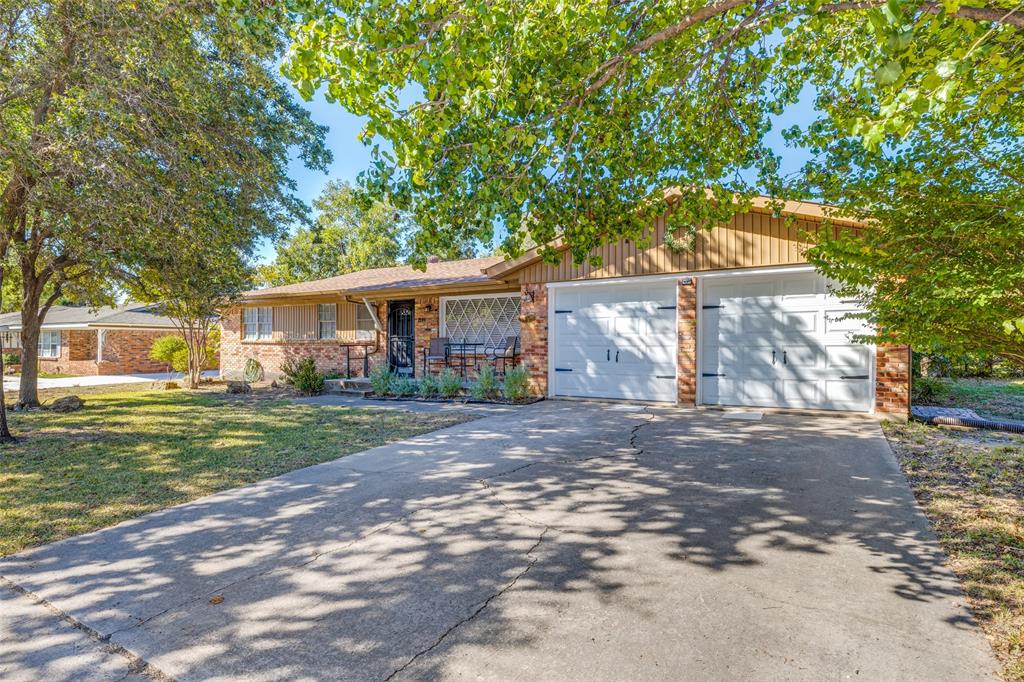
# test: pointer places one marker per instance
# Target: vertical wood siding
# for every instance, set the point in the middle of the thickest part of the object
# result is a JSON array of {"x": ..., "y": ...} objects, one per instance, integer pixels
[
  {"x": 302, "y": 322},
  {"x": 752, "y": 239}
]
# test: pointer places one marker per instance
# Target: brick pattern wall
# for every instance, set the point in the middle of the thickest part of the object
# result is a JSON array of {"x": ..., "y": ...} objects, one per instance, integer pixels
[
  {"x": 892, "y": 380},
  {"x": 427, "y": 314},
  {"x": 330, "y": 356},
  {"x": 686, "y": 335},
  {"x": 533, "y": 335},
  {"x": 127, "y": 351}
]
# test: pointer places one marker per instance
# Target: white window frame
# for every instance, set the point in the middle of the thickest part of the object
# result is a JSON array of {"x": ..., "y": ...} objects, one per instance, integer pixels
[
  {"x": 331, "y": 319},
  {"x": 505, "y": 294},
  {"x": 262, "y": 323},
  {"x": 365, "y": 317},
  {"x": 47, "y": 333}
]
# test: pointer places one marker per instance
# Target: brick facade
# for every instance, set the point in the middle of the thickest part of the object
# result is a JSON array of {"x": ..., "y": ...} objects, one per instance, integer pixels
[
  {"x": 330, "y": 356},
  {"x": 533, "y": 335},
  {"x": 892, "y": 380},
  {"x": 125, "y": 351},
  {"x": 686, "y": 335}
]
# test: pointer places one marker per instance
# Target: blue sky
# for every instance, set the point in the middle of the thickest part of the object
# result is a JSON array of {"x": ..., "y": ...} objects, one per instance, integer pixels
[{"x": 351, "y": 156}]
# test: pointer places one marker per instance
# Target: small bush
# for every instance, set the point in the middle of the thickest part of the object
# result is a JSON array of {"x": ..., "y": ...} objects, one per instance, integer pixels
[
  {"x": 429, "y": 386},
  {"x": 517, "y": 384},
  {"x": 304, "y": 376},
  {"x": 172, "y": 351},
  {"x": 404, "y": 387},
  {"x": 333, "y": 374},
  {"x": 486, "y": 386},
  {"x": 12, "y": 359},
  {"x": 253, "y": 371},
  {"x": 449, "y": 383},
  {"x": 925, "y": 390},
  {"x": 381, "y": 380}
]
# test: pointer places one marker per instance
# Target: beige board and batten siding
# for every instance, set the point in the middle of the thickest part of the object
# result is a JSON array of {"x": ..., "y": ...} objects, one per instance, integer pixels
[
  {"x": 752, "y": 239},
  {"x": 301, "y": 322}
]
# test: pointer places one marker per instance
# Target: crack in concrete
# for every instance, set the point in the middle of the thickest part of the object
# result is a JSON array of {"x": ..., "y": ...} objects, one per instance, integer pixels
[
  {"x": 135, "y": 663},
  {"x": 480, "y": 609}
]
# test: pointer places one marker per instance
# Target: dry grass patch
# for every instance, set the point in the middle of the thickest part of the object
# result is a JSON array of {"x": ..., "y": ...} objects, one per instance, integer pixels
[
  {"x": 131, "y": 452},
  {"x": 971, "y": 486}
]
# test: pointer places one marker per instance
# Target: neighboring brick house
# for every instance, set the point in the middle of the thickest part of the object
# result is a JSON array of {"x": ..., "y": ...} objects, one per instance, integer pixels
[
  {"x": 741, "y": 319},
  {"x": 90, "y": 341}
]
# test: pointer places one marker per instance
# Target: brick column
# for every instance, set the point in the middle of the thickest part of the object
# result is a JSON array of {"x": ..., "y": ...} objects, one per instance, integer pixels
[
  {"x": 892, "y": 380},
  {"x": 428, "y": 326},
  {"x": 533, "y": 335},
  {"x": 686, "y": 333}
]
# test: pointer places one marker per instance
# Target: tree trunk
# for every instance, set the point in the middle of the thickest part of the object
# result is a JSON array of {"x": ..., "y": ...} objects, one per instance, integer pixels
[
  {"x": 28, "y": 391},
  {"x": 5, "y": 432}
]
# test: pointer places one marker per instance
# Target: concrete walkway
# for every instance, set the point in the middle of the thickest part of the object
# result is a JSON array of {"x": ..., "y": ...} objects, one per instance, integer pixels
[
  {"x": 11, "y": 382},
  {"x": 561, "y": 541}
]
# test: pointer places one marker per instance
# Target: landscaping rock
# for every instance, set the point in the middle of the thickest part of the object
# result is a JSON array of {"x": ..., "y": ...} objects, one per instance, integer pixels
[
  {"x": 239, "y": 387},
  {"x": 69, "y": 403}
]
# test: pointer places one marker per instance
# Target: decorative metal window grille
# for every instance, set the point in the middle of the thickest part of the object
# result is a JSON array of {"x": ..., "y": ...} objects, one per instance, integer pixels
[
  {"x": 327, "y": 318},
  {"x": 482, "y": 320}
]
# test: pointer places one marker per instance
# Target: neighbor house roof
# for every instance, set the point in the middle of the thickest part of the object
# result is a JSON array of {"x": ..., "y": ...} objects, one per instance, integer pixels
[
  {"x": 72, "y": 317},
  {"x": 445, "y": 273}
]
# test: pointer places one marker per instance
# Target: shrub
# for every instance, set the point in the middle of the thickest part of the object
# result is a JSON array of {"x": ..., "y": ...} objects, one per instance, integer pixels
[
  {"x": 333, "y": 374},
  {"x": 449, "y": 383},
  {"x": 12, "y": 359},
  {"x": 253, "y": 371},
  {"x": 926, "y": 390},
  {"x": 304, "y": 376},
  {"x": 429, "y": 386},
  {"x": 172, "y": 351},
  {"x": 404, "y": 387},
  {"x": 517, "y": 384},
  {"x": 486, "y": 386},
  {"x": 381, "y": 380}
]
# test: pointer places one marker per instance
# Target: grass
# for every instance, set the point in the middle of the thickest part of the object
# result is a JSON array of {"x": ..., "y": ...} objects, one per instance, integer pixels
[
  {"x": 55, "y": 375},
  {"x": 971, "y": 486},
  {"x": 130, "y": 452},
  {"x": 988, "y": 397}
]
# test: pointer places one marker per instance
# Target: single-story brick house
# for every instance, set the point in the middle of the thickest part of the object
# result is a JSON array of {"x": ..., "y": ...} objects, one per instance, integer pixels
[
  {"x": 741, "y": 319},
  {"x": 90, "y": 341}
]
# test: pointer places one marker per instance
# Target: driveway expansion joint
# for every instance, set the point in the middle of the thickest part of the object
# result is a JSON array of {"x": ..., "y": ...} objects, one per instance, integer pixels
[{"x": 136, "y": 665}]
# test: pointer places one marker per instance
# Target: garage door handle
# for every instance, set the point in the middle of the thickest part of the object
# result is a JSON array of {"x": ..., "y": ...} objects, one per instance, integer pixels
[
  {"x": 773, "y": 357},
  {"x": 784, "y": 357},
  {"x": 855, "y": 376},
  {"x": 616, "y": 356},
  {"x": 609, "y": 355}
]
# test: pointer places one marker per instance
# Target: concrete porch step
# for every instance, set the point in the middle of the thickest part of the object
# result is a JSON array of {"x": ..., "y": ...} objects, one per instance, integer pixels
[{"x": 358, "y": 387}]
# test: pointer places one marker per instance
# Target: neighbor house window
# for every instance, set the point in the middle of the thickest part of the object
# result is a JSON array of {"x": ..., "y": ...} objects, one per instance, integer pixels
[
  {"x": 259, "y": 323},
  {"x": 327, "y": 318},
  {"x": 49, "y": 344},
  {"x": 365, "y": 328},
  {"x": 488, "y": 320}
]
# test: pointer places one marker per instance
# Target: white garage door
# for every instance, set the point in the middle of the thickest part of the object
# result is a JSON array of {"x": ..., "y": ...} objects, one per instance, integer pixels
[
  {"x": 782, "y": 341},
  {"x": 614, "y": 341}
]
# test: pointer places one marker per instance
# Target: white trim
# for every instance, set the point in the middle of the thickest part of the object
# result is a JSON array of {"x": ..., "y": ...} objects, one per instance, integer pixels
[
  {"x": 551, "y": 341},
  {"x": 101, "y": 337},
  {"x": 491, "y": 294},
  {"x": 698, "y": 365},
  {"x": 735, "y": 272}
]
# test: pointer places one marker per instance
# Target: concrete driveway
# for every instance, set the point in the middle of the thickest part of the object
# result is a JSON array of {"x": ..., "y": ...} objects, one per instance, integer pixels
[{"x": 562, "y": 541}]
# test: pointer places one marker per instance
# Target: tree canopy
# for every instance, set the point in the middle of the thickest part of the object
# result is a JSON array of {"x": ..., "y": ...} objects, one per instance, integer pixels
[
  {"x": 351, "y": 232},
  {"x": 545, "y": 118},
  {"x": 132, "y": 127}
]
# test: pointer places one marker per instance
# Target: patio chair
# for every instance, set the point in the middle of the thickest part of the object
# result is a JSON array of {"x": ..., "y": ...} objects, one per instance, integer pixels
[
  {"x": 508, "y": 351},
  {"x": 436, "y": 352}
]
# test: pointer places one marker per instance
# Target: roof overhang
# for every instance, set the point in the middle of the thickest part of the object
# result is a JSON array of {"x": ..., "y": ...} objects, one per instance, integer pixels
[{"x": 376, "y": 293}]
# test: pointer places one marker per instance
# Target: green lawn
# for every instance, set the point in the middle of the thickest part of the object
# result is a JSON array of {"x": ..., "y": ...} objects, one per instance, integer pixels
[
  {"x": 971, "y": 486},
  {"x": 988, "y": 397},
  {"x": 132, "y": 452}
]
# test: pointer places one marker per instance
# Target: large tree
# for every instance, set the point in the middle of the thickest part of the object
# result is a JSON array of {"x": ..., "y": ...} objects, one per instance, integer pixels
[
  {"x": 545, "y": 118},
  {"x": 122, "y": 120},
  {"x": 351, "y": 232}
]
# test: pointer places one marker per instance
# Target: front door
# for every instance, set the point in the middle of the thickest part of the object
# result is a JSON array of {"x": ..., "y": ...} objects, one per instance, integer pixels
[{"x": 401, "y": 337}]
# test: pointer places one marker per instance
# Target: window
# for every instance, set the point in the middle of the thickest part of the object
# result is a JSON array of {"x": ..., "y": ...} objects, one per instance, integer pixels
[
  {"x": 49, "y": 344},
  {"x": 488, "y": 319},
  {"x": 259, "y": 323},
  {"x": 327, "y": 319},
  {"x": 365, "y": 328}
]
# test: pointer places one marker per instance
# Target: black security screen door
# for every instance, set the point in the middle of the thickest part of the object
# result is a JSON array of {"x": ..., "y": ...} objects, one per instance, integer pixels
[{"x": 401, "y": 337}]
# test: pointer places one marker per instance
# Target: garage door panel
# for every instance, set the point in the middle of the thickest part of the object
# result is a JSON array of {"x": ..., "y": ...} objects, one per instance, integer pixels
[
  {"x": 582, "y": 325},
  {"x": 794, "y": 316}
]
